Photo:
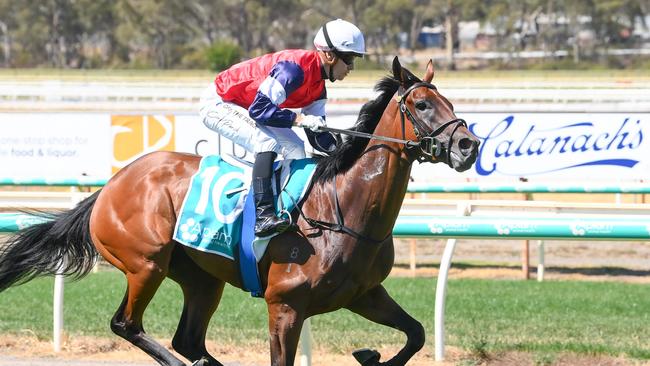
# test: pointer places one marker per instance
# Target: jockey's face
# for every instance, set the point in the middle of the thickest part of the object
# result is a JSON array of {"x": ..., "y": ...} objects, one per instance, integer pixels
[
  {"x": 335, "y": 65},
  {"x": 341, "y": 69}
]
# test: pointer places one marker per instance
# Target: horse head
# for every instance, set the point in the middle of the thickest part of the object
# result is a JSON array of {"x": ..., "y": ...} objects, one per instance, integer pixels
[{"x": 440, "y": 135}]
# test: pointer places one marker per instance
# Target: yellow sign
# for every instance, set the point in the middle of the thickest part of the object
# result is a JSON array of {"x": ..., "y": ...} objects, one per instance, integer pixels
[{"x": 134, "y": 136}]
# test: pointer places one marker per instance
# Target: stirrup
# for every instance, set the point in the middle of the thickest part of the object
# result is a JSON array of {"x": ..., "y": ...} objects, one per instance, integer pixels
[
  {"x": 289, "y": 217},
  {"x": 280, "y": 226}
]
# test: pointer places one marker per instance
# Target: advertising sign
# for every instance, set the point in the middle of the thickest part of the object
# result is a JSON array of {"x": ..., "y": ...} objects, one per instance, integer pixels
[
  {"x": 552, "y": 146},
  {"x": 54, "y": 144},
  {"x": 535, "y": 146},
  {"x": 135, "y": 135}
]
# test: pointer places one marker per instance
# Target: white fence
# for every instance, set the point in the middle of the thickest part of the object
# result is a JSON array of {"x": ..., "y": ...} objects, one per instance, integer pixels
[{"x": 168, "y": 96}]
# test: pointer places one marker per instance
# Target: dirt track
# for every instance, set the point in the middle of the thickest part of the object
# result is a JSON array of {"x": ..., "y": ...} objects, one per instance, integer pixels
[
  {"x": 12, "y": 361},
  {"x": 564, "y": 260}
]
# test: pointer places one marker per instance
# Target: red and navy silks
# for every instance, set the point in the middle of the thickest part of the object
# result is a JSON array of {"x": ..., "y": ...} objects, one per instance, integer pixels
[{"x": 268, "y": 84}]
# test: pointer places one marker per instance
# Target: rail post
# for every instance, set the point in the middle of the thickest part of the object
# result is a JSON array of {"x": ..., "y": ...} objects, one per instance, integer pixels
[
  {"x": 305, "y": 343},
  {"x": 540, "y": 262},
  {"x": 463, "y": 209}
]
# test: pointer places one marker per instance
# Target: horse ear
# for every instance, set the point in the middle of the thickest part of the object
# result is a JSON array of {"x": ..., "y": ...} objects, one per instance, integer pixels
[
  {"x": 397, "y": 70},
  {"x": 428, "y": 76}
]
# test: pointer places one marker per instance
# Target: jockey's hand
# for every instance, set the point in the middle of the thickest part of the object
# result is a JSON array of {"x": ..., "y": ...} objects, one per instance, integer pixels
[{"x": 313, "y": 123}]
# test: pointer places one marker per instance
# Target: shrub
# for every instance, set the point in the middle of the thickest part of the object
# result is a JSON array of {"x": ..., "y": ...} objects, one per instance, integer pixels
[{"x": 223, "y": 54}]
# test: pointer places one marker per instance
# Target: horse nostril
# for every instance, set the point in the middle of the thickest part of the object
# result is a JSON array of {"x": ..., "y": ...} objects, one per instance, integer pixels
[{"x": 466, "y": 146}]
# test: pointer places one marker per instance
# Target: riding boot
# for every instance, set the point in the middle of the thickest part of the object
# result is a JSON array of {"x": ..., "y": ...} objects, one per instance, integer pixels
[{"x": 266, "y": 222}]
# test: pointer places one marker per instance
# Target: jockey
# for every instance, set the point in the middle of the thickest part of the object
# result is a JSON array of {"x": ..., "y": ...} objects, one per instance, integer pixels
[{"x": 248, "y": 105}]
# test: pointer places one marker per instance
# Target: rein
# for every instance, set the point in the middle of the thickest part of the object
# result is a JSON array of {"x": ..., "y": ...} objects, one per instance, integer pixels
[
  {"x": 429, "y": 146},
  {"x": 366, "y": 135}
]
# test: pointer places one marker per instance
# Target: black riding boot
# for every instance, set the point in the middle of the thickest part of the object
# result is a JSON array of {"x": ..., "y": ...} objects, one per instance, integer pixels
[{"x": 266, "y": 222}]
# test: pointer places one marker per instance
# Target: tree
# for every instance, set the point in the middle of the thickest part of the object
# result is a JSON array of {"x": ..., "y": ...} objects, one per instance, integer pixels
[
  {"x": 99, "y": 22},
  {"x": 7, "y": 26},
  {"x": 152, "y": 32}
]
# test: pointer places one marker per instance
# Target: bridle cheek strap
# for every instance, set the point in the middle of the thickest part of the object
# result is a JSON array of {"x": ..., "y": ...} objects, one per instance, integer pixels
[{"x": 429, "y": 146}]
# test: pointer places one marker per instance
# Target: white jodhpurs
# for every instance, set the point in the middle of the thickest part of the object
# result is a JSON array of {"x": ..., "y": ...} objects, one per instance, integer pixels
[{"x": 233, "y": 122}]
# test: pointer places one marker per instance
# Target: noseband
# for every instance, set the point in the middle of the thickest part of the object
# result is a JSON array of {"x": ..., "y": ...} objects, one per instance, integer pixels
[{"x": 429, "y": 146}]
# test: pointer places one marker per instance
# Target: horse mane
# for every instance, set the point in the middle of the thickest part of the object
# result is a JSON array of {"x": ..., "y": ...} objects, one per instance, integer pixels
[{"x": 342, "y": 159}]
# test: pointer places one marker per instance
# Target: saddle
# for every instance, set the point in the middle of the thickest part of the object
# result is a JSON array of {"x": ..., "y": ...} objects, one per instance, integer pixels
[{"x": 218, "y": 213}]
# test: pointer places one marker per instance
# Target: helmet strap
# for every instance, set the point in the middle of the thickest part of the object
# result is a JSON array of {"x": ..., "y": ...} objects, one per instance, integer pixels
[
  {"x": 327, "y": 38},
  {"x": 331, "y": 75},
  {"x": 332, "y": 49}
]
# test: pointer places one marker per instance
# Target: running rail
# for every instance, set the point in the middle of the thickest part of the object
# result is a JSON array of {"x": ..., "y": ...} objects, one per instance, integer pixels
[{"x": 469, "y": 227}]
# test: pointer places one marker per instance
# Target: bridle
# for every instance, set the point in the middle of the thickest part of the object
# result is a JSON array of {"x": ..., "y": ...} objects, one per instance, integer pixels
[{"x": 429, "y": 146}]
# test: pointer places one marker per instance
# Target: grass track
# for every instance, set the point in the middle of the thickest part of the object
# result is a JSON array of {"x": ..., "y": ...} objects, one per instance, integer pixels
[{"x": 482, "y": 315}]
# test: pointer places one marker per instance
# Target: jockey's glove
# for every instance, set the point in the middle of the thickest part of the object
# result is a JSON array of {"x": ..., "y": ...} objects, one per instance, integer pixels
[{"x": 313, "y": 123}]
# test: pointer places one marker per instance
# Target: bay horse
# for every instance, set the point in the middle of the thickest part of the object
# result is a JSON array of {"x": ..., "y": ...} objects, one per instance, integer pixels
[{"x": 337, "y": 257}]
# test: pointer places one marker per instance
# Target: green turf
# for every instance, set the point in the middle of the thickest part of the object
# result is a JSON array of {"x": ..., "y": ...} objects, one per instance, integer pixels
[
  {"x": 620, "y": 77},
  {"x": 483, "y": 316}
]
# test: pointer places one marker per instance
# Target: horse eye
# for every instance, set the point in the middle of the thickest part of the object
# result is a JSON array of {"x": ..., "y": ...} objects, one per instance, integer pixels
[{"x": 421, "y": 105}]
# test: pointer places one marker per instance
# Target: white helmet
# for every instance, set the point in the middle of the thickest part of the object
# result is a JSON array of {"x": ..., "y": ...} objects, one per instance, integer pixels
[{"x": 339, "y": 35}]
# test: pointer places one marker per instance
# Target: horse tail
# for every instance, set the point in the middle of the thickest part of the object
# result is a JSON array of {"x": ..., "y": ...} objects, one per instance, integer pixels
[{"x": 61, "y": 244}]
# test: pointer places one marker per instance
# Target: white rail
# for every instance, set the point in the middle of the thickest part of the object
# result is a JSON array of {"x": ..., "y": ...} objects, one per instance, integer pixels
[
  {"x": 40, "y": 199},
  {"x": 129, "y": 96}
]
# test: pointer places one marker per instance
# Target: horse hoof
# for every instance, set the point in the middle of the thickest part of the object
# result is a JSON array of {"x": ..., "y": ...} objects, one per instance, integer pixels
[{"x": 367, "y": 357}]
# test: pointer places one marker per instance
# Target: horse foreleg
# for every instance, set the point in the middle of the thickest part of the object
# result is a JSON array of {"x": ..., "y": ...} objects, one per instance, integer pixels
[
  {"x": 285, "y": 324},
  {"x": 377, "y": 305}
]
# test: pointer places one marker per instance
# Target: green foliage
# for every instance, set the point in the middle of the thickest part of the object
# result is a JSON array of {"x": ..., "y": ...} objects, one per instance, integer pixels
[
  {"x": 221, "y": 55},
  {"x": 484, "y": 317},
  {"x": 168, "y": 33},
  {"x": 194, "y": 60}
]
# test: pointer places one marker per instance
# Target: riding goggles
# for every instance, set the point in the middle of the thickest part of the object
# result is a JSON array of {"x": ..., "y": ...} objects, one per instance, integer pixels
[{"x": 347, "y": 58}]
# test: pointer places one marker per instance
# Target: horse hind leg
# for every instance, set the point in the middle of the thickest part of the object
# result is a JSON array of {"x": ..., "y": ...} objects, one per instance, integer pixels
[
  {"x": 202, "y": 293},
  {"x": 127, "y": 321}
]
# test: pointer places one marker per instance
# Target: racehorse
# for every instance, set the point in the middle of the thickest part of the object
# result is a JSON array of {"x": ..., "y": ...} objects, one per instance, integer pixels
[{"x": 337, "y": 257}]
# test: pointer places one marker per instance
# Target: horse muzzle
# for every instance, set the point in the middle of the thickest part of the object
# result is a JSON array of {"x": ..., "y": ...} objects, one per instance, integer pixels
[
  {"x": 458, "y": 149},
  {"x": 464, "y": 152}
]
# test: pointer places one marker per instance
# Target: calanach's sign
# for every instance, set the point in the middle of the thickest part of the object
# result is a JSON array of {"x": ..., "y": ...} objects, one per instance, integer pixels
[
  {"x": 545, "y": 144},
  {"x": 555, "y": 146}
]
